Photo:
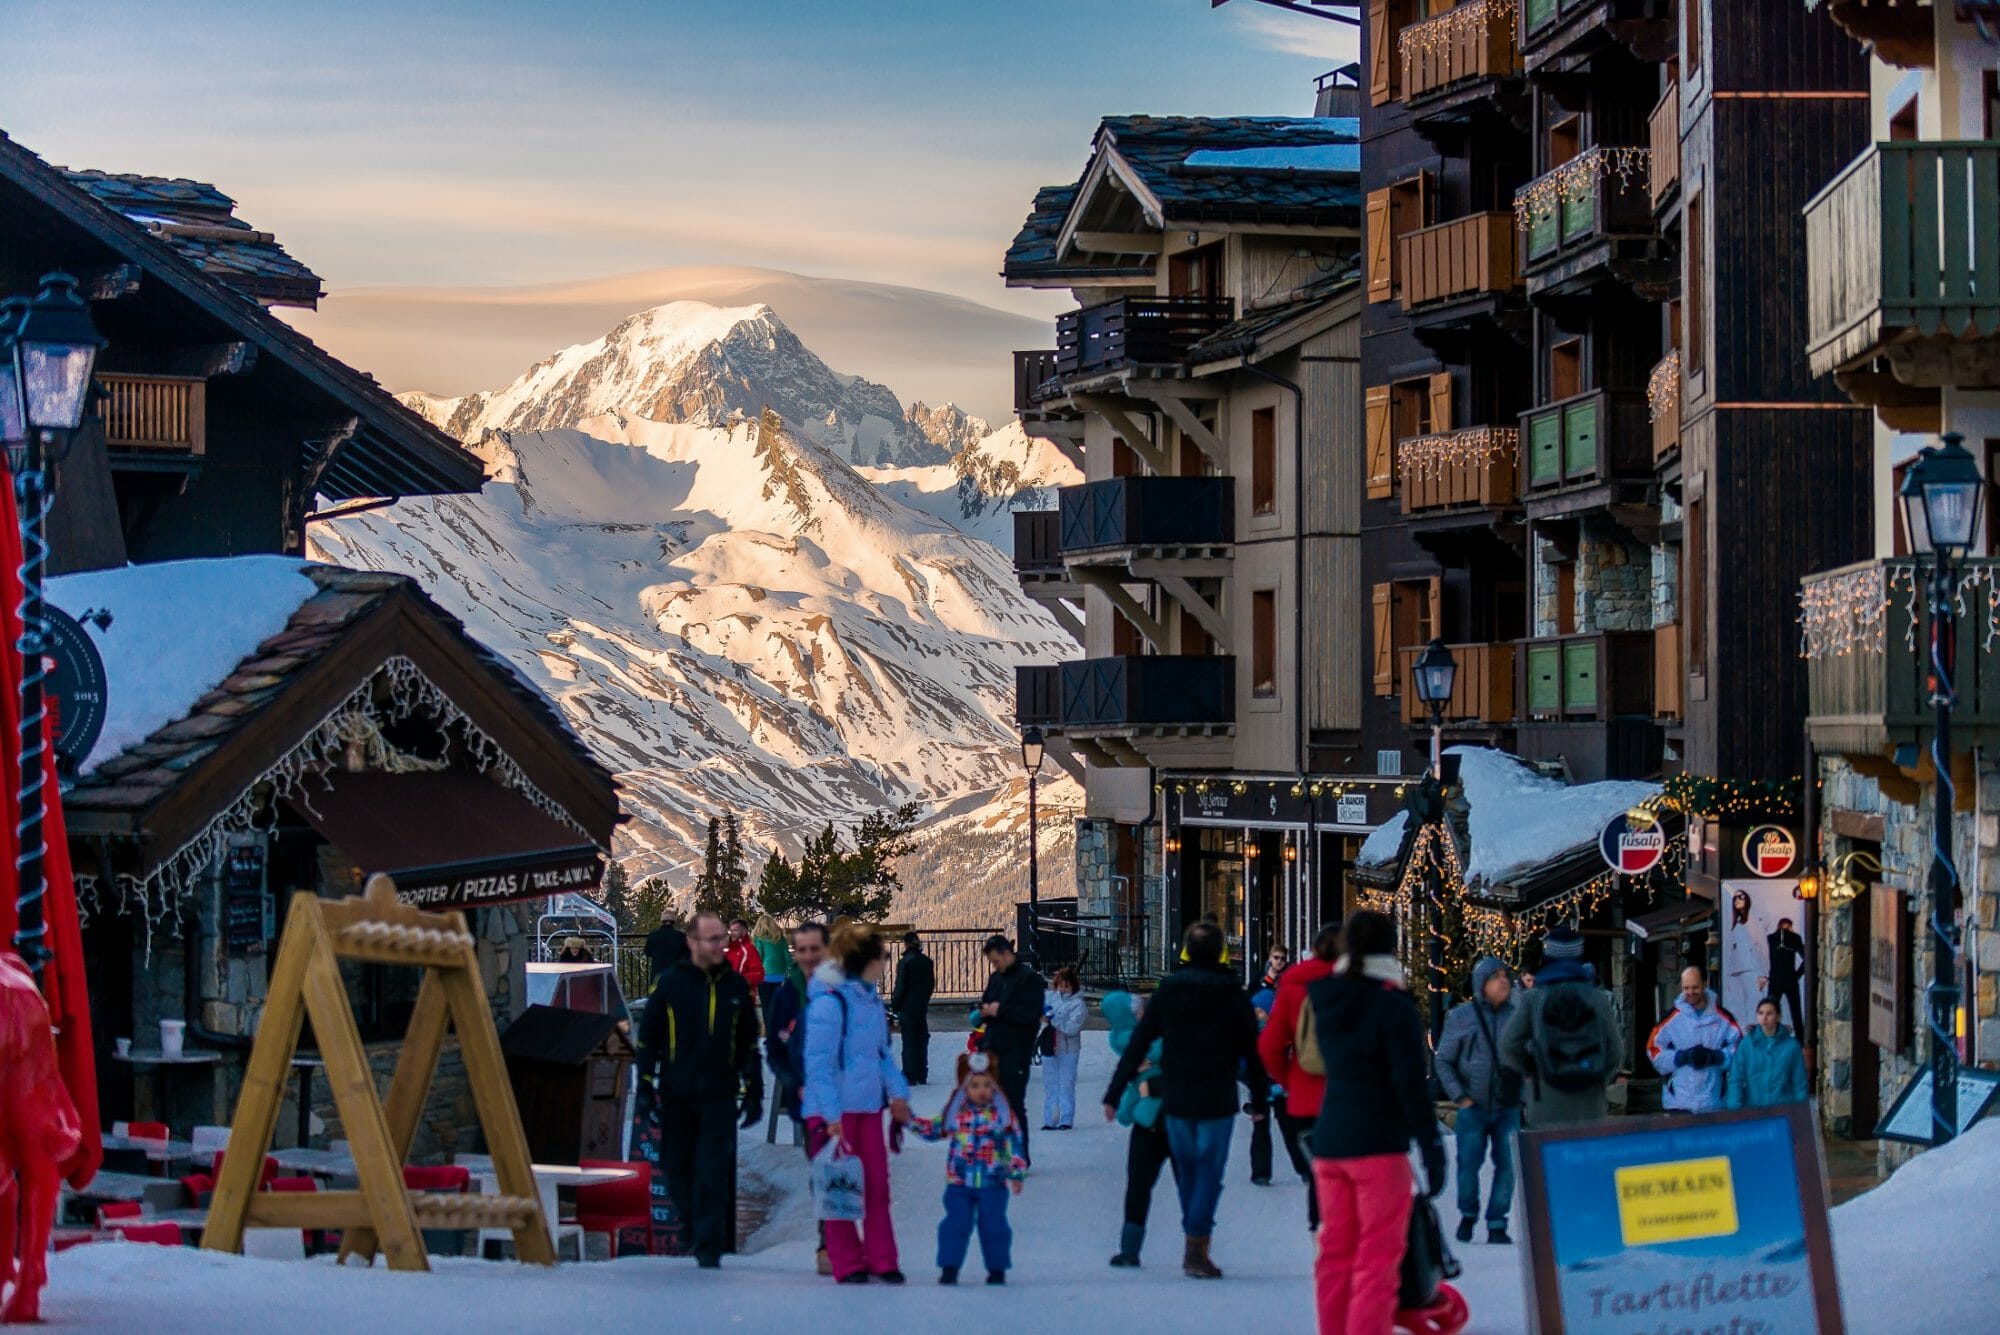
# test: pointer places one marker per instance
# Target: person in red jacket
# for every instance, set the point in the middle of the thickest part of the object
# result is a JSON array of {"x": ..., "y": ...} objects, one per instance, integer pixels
[
  {"x": 1276, "y": 1047},
  {"x": 743, "y": 954}
]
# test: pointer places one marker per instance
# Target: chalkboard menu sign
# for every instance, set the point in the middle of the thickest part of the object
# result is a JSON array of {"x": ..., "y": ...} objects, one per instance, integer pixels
[{"x": 243, "y": 900}]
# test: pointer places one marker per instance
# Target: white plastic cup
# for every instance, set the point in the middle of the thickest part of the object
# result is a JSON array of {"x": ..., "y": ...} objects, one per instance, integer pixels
[
  {"x": 173, "y": 1034},
  {"x": 123, "y": 1046}
]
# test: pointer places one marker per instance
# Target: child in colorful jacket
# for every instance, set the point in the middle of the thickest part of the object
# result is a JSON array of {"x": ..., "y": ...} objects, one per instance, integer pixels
[{"x": 982, "y": 1165}]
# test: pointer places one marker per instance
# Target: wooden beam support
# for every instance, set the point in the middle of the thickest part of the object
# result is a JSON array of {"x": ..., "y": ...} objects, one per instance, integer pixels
[
  {"x": 1119, "y": 243},
  {"x": 1126, "y": 427},
  {"x": 209, "y": 360},
  {"x": 1058, "y": 750},
  {"x": 1065, "y": 616},
  {"x": 1129, "y": 607},
  {"x": 1186, "y": 567},
  {"x": 1196, "y": 430},
  {"x": 1204, "y": 611}
]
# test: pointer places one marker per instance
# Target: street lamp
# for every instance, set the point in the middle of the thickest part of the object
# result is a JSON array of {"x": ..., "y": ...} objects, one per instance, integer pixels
[
  {"x": 1031, "y": 760},
  {"x": 1434, "y": 672},
  {"x": 1941, "y": 496},
  {"x": 51, "y": 347}
]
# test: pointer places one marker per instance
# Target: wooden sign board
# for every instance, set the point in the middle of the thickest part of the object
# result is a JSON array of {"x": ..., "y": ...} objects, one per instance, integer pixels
[{"x": 1888, "y": 969}]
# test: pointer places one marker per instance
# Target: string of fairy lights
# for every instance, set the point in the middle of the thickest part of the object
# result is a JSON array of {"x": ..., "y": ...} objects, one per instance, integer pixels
[
  {"x": 1453, "y": 29},
  {"x": 1663, "y": 387},
  {"x": 1850, "y": 613},
  {"x": 1431, "y": 457},
  {"x": 1573, "y": 182}
]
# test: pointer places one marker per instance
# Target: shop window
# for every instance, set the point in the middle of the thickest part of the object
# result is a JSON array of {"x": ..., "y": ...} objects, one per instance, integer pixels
[
  {"x": 1264, "y": 644},
  {"x": 1264, "y": 461}
]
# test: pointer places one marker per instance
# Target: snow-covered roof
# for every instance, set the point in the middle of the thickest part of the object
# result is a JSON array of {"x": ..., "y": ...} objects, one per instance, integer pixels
[
  {"x": 1300, "y": 158},
  {"x": 1517, "y": 818},
  {"x": 177, "y": 629}
]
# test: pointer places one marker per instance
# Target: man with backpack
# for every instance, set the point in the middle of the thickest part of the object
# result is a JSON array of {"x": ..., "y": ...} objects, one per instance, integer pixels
[
  {"x": 1564, "y": 1037},
  {"x": 1488, "y": 1095}
]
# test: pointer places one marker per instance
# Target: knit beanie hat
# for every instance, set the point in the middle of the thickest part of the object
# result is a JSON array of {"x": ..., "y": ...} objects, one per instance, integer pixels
[{"x": 1562, "y": 943}]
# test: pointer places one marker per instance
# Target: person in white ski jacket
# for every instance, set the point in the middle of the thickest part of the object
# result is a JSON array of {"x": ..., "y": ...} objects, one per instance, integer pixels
[
  {"x": 1693, "y": 1046},
  {"x": 1066, "y": 1014}
]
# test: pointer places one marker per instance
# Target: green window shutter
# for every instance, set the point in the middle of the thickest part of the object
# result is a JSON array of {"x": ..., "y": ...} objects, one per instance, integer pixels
[
  {"x": 1545, "y": 450},
  {"x": 1579, "y": 216},
  {"x": 1544, "y": 231},
  {"x": 1540, "y": 12},
  {"x": 1580, "y": 438},
  {"x": 1544, "y": 679},
  {"x": 1579, "y": 671}
]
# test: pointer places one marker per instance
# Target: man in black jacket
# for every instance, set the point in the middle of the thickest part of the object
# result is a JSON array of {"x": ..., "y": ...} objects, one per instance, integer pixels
[
  {"x": 699, "y": 1037},
  {"x": 1208, "y": 1041},
  {"x": 1012, "y": 1005},
  {"x": 910, "y": 1003},
  {"x": 1788, "y": 969}
]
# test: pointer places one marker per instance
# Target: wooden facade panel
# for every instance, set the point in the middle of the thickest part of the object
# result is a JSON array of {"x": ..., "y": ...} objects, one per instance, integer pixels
[
  {"x": 1379, "y": 429},
  {"x": 1780, "y": 48},
  {"x": 1336, "y": 451},
  {"x": 1330, "y": 607}
]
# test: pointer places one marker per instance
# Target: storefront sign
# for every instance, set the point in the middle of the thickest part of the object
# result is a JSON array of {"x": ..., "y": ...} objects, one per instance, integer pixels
[
  {"x": 1633, "y": 849},
  {"x": 1909, "y": 1117},
  {"x": 76, "y": 687},
  {"x": 1888, "y": 969},
  {"x": 1351, "y": 809},
  {"x": 1260, "y": 803},
  {"x": 1711, "y": 1222},
  {"x": 1770, "y": 850},
  {"x": 1760, "y": 924},
  {"x": 529, "y": 876},
  {"x": 245, "y": 927}
]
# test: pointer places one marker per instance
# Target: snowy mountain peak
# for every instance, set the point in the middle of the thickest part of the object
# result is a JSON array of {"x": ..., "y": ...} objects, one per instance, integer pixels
[{"x": 702, "y": 365}]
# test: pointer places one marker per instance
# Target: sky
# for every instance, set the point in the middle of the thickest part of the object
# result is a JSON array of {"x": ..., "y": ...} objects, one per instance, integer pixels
[{"x": 510, "y": 143}]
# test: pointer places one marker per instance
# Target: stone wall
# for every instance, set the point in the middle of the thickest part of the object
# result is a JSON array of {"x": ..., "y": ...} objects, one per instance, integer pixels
[
  {"x": 1096, "y": 864},
  {"x": 1547, "y": 589},
  {"x": 1614, "y": 581}
]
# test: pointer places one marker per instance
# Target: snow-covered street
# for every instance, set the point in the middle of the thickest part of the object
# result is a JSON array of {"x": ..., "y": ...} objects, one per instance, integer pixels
[{"x": 1065, "y": 1229}]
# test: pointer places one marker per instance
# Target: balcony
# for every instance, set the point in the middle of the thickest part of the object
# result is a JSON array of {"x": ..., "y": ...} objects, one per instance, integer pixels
[
  {"x": 1121, "y": 514},
  {"x": 1560, "y": 37},
  {"x": 1475, "y": 467},
  {"x": 1663, "y": 167},
  {"x": 1037, "y": 544},
  {"x": 1663, "y": 405},
  {"x": 1153, "y": 691},
  {"x": 1903, "y": 265},
  {"x": 1902, "y": 32},
  {"x": 1866, "y": 630},
  {"x": 1136, "y": 331},
  {"x": 1032, "y": 372},
  {"x": 1455, "y": 63},
  {"x": 1587, "y": 441},
  {"x": 1465, "y": 258},
  {"x": 1588, "y": 701},
  {"x": 1482, "y": 691},
  {"x": 154, "y": 414},
  {"x": 1589, "y": 221}
]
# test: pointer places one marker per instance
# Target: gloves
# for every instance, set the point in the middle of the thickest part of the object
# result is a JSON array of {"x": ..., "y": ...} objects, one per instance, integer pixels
[
  {"x": 1686, "y": 1057},
  {"x": 1434, "y": 1169},
  {"x": 1705, "y": 1057},
  {"x": 753, "y": 1111}
]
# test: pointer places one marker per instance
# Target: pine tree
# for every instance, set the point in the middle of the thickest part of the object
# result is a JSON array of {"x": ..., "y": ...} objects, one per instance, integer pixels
[
  {"x": 708, "y": 887},
  {"x": 617, "y": 895},
  {"x": 732, "y": 877},
  {"x": 834, "y": 881},
  {"x": 777, "y": 886},
  {"x": 652, "y": 904}
]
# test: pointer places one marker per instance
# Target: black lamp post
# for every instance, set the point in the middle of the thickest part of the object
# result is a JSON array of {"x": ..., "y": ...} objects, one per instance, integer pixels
[
  {"x": 1031, "y": 760},
  {"x": 1435, "y": 671},
  {"x": 52, "y": 349},
  {"x": 1941, "y": 496}
]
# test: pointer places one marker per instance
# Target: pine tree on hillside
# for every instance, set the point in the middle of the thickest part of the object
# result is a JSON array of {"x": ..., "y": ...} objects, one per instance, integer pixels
[
  {"x": 777, "y": 887},
  {"x": 714, "y": 890},
  {"x": 652, "y": 904},
  {"x": 618, "y": 895},
  {"x": 833, "y": 881},
  {"x": 732, "y": 877}
]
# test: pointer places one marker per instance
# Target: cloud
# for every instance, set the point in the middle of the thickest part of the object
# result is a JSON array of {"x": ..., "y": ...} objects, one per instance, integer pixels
[{"x": 1297, "y": 34}]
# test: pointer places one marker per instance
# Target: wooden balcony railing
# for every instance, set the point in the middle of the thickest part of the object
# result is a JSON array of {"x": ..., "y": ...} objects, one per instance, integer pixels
[
  {"x": 1474, "y": 466},
  {"x": 1461, "y": 258},
  {"x": 1136, "y": 331},
  {"x": 1601, "y": 676},
  {"x": 1472, "y": 41},
  {"x": 1592, "y": 437},
  {"x": 1669, "y": 673},
  {"x": 1904, "y": 244},
  {"x": 1120, "y": 512},
  {"x": 1038, "y": 542},
  {"x": 1032, "y": 370},
  {"x": 1592, "y": 196},
  {"x": 1481, "y": 692},
  {"x": 1663, "y": 404},
  {"x": 1663, "y": 168},
  {"x": 1151, "y": 690},
  {"x": 154, "y": 412}
]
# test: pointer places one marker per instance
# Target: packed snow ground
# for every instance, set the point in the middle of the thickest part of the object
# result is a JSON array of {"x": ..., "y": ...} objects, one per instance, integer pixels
[{"x": 1914, "y": 1257}]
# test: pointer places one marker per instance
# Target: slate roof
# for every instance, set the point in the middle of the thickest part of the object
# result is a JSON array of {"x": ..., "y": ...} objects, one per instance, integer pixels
[
  {"x": 141, "y": 777},
  {"x": 1033, "y": 253},
  {"x": 1241, "y": 336},
  {"x": 200, "y": 222}
]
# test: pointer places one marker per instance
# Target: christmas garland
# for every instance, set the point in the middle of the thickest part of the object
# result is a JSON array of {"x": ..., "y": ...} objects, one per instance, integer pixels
[
  {"x": 1714, "y": 798},
  {"x": 1574, "y": 181},
  {"x": 1431, "y": 456},
  {"x": 1663, "y": 387},
  {"x": 1454, "y": 26}
]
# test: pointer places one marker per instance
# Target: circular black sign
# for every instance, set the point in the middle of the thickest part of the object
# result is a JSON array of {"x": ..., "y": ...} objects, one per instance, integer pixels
[{"x": 75, "y": 687}]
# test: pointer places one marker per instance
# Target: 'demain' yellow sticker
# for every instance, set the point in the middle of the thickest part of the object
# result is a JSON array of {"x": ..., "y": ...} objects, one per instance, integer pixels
[{"x": 1674, "y": 1202}]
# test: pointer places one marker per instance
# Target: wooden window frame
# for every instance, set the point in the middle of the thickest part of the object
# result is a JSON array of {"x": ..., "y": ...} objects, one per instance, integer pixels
[
  {"x": 1694, "y": 584},
  {"x": 1694, "y": 289},
  {"x": 1264, "y": 644},
  {"x": 1691, "y": 36},
  {"x": 1264, "y": 461},
  {"x": 1570, "y": 351}
]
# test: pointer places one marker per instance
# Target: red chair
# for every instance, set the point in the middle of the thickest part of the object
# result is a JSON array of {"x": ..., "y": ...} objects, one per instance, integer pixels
[
  {"x": 263, "y": 1179},
  {"x": 200, "y": 1188},
  {"x": 613, "y": 1207},
  {"x": 441, "y": 1177},
  {"x": 146, "y": 1131},
  {"x": 164, "y": 1235},
  {"x": 111, "y": 1212},
  {"x": 314, "y": 1239}
]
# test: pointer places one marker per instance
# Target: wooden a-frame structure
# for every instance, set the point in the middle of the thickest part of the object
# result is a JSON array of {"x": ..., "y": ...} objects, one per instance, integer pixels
[{"x": 305, "y": 981}]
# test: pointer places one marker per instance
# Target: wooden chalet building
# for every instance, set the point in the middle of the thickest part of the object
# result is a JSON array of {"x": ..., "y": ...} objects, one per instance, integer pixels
[
  {"x": 272, "y": 725},
  {"x": 1903, "y": 319},
  {"x": 1210, "y": 563}
]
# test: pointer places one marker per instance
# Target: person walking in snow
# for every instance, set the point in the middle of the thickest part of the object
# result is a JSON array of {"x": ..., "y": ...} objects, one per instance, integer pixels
[
  {"x": 1692, "y": 1047},
  {"x": 1067, "y": 1013},
  {"x": 981, "y": 1168},
  {"x": 700, "y": 1037},
  {"x": 1283, "y": 1046},
  {"x": 1139, "y": 1107},
  {"x": 1208, "y": 1042},
  {"x": 769, "y": 938},
  {"x": 1011, "y": 1013},
  {"x": 744, "y": 957},
  {"x": 785, "y": 1039},
  {"x": 910, "y": 1003},
  {"x": 1377, "y": 1101},
  {"x": 1261, "y": 1128},
  {"x": 851, "y": 1079},
  {"x": 1769, "y": 1067},
  {"x": 1564, "y": 1037},
  {"x": 1488, "y": 1095},
  {"x": 1275, "y": 964}
]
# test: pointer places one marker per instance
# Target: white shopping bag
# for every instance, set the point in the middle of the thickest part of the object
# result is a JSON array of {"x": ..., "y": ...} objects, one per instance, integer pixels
[{"x": 836, "y": 1184}]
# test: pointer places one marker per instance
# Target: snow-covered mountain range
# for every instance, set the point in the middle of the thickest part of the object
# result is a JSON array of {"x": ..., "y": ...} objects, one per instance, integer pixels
[{"x": 727, "y": 609}]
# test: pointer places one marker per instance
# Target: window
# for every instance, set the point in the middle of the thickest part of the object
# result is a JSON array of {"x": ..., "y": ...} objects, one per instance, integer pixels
[
  {"x": 1407, "y": 613},
  {"x": 1991, "y": 99},
  {"x": 1402, "y": 411},
  {"x": 1565, "y": 140},
  {"x": 1900, "y": 539},
  {"x": 1674, "y": 324},
  {"x": 1694, "y": 590},
  {"x": 1264, "y": 461},
  {"x": 1126, "y": 641},
  {"x": 1903, "y": 124},
  {"x": 1386, "y": 21},
  {"x": 1196, "y": 273},
  {"x": 1691, "y": 35},
  {"x": 1124, "y": 459},
  {"x": 1566, "y": 598},
  {"x": 1393, "y": 213},
  {"x": 1566, "y": 370},
  {"x": 1194, "y": 639},
  {"x": 1694, "y": 358},
  {"x": 1264, "y": 644}
]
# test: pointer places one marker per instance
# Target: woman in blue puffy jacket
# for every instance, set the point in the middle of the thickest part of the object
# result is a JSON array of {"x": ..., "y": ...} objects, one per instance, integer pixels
[
  {"x": 1139, "y": 1108},
  {"x": 1769, "y": 1067}
]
